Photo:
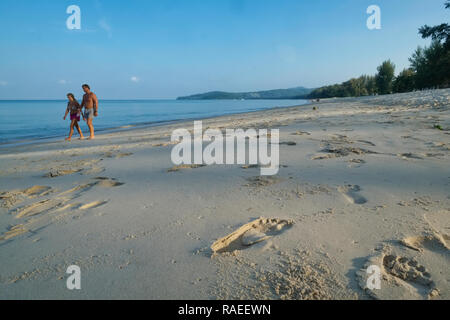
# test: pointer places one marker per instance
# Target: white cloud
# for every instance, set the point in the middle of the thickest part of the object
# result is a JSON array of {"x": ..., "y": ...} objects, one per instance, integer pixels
[
  {"x": 3, "y": 83},
  {"x": 135, "y": 79},
  {"x": 106, "y": 27},
  {"x": 62, "y": 82}
]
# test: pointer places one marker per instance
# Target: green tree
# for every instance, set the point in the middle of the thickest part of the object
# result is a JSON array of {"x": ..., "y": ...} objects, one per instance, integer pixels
[
  {"x": 370, "y": 84},
  {"x": 385, "y": 77},
  {"x": 439, "y": 33},
  {"x": 356, "y": 87},
  {"x": 432, "y": 66},
  {"x": 405, "y": 81}
]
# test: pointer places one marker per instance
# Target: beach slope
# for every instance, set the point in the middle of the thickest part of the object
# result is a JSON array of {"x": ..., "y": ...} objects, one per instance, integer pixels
[{"x": 362, "y": 182}]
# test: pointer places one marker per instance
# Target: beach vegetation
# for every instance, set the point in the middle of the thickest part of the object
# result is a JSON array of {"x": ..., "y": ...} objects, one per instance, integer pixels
[
  {"x": 429, "y": 69},
  {"x": 385, "y": 77},
  {"x": 405, "y": 81}
]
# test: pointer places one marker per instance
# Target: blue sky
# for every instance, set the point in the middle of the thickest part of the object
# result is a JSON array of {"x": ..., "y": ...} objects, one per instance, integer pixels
[{"x": 166, "y": 48}]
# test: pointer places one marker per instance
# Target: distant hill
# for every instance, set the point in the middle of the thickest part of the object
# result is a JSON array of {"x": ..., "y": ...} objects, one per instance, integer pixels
[{"x": 292, "y": 93}]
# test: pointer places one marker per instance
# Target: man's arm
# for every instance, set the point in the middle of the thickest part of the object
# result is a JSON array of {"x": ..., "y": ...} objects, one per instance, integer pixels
[
  {"x": 95, "y": 103},
  {"x": 82, "y": 103},
  {"x": 81, "y": 109}
]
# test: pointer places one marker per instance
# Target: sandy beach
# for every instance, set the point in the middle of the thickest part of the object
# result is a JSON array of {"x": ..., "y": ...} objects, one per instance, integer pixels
[{"x": 362, "y": 181}]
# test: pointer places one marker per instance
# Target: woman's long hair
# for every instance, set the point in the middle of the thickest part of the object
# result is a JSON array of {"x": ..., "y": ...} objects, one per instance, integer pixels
[{"x": 73, "y": 97}]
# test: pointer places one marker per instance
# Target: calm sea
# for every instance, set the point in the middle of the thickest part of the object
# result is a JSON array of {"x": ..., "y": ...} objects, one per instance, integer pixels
[{"x": 29, "y": 121}]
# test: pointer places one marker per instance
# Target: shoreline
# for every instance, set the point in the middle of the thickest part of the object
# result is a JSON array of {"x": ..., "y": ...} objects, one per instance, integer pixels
[
  {"x": 362, "y": 181},
  {"x": 133, "y": 126}
]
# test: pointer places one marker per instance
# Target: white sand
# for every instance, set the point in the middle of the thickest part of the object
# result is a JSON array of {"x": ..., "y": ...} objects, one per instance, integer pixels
[{"x": 364, "y": 181}]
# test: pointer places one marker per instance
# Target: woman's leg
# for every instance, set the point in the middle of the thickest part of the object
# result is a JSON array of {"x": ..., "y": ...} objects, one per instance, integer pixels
[
  {"x": 71, "y": 130},
  {"x": 79, "y": 129}
]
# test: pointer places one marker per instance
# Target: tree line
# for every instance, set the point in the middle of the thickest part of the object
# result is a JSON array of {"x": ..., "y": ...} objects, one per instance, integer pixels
[{"x": 429, "y": 69}]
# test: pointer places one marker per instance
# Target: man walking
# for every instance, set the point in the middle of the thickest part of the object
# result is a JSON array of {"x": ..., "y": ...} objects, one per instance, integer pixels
[{"x": 90, "y": 104}]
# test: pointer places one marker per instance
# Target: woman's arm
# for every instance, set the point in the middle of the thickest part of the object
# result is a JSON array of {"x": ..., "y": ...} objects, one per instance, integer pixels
[
  {"x": 67, "y": 112},
  {"x": 80, "y": 110}
]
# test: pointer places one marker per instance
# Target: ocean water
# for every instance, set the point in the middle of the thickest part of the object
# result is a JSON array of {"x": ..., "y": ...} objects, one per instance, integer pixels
[{"x": 29, "y": 121}]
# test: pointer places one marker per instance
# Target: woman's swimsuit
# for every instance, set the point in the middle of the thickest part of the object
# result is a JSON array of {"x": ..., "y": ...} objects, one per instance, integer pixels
[{"x": 75, "y": 110}]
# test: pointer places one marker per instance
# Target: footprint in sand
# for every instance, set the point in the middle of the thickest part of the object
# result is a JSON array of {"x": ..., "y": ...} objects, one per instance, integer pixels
[
  {"x": 367, "y": 142},
  {"x": 331, "y": 151},
  {"x": 102, "y": 182},
  {"x": 78, "y": 190},
  {"x": 114, "y": 152},
  {"x": 288, "y": 143},
  {"x": 93, "y": 170},
  {"x": 123, "y": 155},
  {"x": 251, "y": 233},
  {"x": 250, "y": 166},
  {"x": 46, "y": 211},
  {"x": 324, "y": 156},
  {"x": 411, "y": 272},
  {"x": 262, "y": 181},
  {"x": 9, "y": 198},
  {"x": 37, "y": 191},
  {"x": 107, "y": 182},
  {"x": 13, "y": 197},
  {"x": 355, "y": 163},
  {"x": 409, "y": 156},
  {"x": 433, "y": 242},
  {"x": 60, "y": 173},
  {"x": 185, "y": 166},
  {"x": 351, "y": 194},
  {"x": 166, "y": 144},
  {"x": 92, "y": 205},
  {"x": 301, "y": 133},
  {"x": 401, "y": 278},
  {"x": 38, "y": 207},
  {"x": 406, "y": 269},
  {"x": 13, "y": 232},
  {"x": 36, "y": 216}
]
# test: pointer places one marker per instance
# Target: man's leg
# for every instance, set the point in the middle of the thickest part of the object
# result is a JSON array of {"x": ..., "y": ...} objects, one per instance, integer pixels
[{"x": 91, "y": 128}]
